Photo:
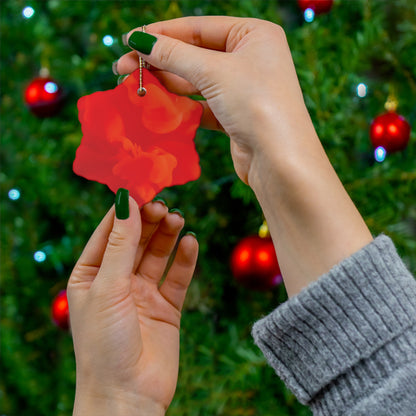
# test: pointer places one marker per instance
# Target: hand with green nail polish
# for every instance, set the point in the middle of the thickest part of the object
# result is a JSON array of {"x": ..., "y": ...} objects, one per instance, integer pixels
[
  {"x": 243, "y": 67},
  {"x": 125, "y": 324}
]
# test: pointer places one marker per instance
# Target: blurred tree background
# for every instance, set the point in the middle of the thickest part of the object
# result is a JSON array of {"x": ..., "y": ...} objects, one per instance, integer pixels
[{"x": 53, "y": 211}]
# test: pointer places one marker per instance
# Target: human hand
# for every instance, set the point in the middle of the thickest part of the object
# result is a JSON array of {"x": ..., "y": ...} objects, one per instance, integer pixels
[
  {"x": 244, "y": 69},
  {"x": 125, "y": 324}
]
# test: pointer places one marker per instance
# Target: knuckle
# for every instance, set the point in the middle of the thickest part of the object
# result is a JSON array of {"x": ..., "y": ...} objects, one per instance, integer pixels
[
  {"x": 166, "y": 54},
  {"x": 117, "y": 239},
  {"x": 273, "y": 27},
  {"x": 197, "y": 36},
  {"x": 177, "y": 285},
  {"x": 159, "y": 252},
  {"x": 280, "y": 32}
]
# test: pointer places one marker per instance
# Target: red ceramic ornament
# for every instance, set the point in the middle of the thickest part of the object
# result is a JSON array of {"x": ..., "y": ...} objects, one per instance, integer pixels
[
  {"x": 254, "y": 263},
  {"x": 142, "y": 144},
  {"x": 318, "y": 6},
  {"x": 390, "y": 131},
  {"x": 44, "y": 97},
  {"x": 60, "y": 310}
]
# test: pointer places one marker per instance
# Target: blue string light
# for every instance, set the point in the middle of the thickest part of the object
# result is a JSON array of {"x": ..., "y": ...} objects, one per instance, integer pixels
[
  {"x": 28, "y": 12},
  {"x": 40, "y": 256},
  {"x": 380, "y": 154},
  {"x": 14, "y": 194},
  {"x": 361, "y": 90},
  {"x": 51, "y": 87},
  {"x": 108, "y": 40},
  {"x": 309, "y": 15}
]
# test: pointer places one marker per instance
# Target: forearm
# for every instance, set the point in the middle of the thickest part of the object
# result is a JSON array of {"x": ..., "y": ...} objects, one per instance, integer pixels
[{"x": 312, "y": 220}]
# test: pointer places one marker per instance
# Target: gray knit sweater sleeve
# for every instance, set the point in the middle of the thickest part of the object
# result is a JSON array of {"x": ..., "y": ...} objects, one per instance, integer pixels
[{"x": 346, "y": 345}]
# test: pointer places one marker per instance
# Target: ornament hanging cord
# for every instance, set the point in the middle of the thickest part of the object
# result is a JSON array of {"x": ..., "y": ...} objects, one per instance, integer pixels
[{"x": 141, "y": 92}]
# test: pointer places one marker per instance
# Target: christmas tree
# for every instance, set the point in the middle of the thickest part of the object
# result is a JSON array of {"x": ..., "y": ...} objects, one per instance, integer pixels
[{"x": 349, "y": 60}]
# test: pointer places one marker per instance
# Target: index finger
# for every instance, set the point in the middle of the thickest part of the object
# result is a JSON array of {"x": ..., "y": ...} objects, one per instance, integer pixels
[{"x": 93, "y": 252}]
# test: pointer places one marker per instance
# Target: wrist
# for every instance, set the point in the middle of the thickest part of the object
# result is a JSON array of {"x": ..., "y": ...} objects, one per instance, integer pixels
[
  {"x": 312, "y": 220},
  {"x": 115, "y": 404},
  {"x": 285, "y": 153}
]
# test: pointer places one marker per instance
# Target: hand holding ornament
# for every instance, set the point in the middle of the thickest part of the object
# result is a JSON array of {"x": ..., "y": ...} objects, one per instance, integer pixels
[{"x": 125, "y": 325}]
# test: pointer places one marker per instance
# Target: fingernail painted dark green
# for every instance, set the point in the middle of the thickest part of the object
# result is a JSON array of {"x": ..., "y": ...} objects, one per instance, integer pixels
[
  {"x": 114, "y": 67},
  {"x": 161, "y": 200},
  {"x": 142, "y": 42},
  {"x": 176, "y": 211},
  {"x": 197, "y": 97},
  {"x": 121, "y": 78},
  {"x": 122, "y": 204},
  {"x": 191, "y": 233}
]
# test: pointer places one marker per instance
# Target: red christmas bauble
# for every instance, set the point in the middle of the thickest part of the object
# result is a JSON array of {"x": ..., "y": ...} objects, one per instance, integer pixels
[
  {"x": 391, "y": 131},
  {"x": 254, "y": 263},
  {"x": 318, "y": 6},
  {"x": 60, "y": 310},
  {"x": 44, "y": 97}
]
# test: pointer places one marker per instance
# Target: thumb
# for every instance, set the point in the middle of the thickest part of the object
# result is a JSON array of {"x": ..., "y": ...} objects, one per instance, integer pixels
[
  {"x": 173, "y": 55},
  {"x": 123, "y": 240}
]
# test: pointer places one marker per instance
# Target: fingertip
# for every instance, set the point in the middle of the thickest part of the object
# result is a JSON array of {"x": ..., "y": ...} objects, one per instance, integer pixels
[
  {"x": 189, "y": 245},
  {"x": 122, "y": 204},
  {"x": 128, "y": 63},
  {"x": 141, "y": 41},
  {"x": 175, "y": 218},
  {"x": 134, "y": 206},
  {"x": 160, "y": 201},
  {"x": 127, "y": 219},
  {"x": 154, "y": 211},
  {"x": 134, "y": 209}
]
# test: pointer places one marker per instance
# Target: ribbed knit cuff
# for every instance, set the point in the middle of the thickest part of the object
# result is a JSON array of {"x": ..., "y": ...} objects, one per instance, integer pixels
[{"x": 345, "y": 333}]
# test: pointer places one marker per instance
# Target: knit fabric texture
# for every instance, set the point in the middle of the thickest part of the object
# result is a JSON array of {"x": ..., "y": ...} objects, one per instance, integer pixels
[{"x": 346, "y": 344}]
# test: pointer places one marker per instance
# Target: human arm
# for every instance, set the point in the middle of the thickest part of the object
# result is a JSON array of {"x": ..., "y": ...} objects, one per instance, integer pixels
[
  {"x": 244, "y": 69},
  {"x": 125, "y": 325},
  {"x": 346, "y": 345},
  {"x": 248, "y": 79}
]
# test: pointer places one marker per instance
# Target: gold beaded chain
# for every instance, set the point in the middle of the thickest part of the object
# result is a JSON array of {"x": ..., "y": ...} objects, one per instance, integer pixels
[{"x": 141, "y": 92}]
